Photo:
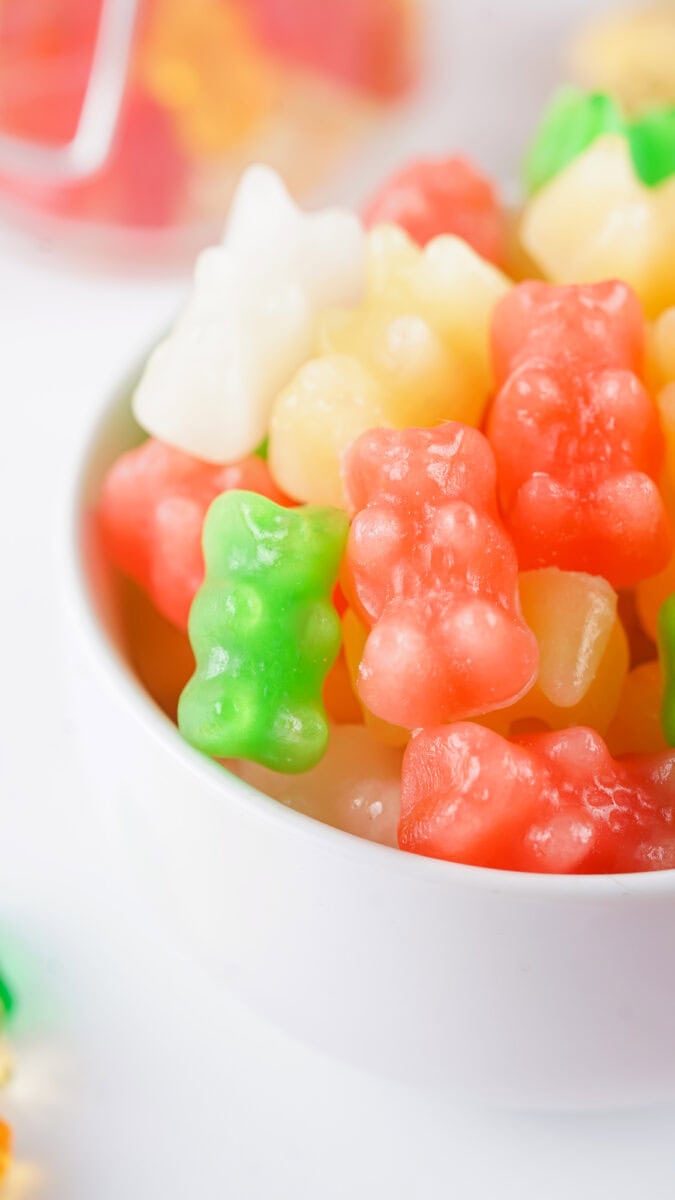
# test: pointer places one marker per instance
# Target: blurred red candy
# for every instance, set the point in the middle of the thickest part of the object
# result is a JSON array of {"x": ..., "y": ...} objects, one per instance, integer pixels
[
  {"x": 141, "y": 184},
  {"x": 448, "y": 195},
  {"x": 576, "y": 327},
  {"x": 367, "y": 43},
  {"x": 46, "y": 49}
]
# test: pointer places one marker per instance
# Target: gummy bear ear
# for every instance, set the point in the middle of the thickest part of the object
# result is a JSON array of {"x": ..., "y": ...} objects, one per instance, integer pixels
[{"x": 261, "y": 207}]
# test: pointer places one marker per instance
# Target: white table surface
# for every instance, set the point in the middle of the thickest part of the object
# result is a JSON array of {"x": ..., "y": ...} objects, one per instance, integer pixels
[{"x": 134, "y": 1078}]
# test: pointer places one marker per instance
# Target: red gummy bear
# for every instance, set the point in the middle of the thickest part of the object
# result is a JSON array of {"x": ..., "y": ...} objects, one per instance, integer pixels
[
  {"x": 447, "y": 195},
  {"x": 151, "y": 512},
  {"x": 548, "y": 802},
  {"x": 367, "y": 43},
  {"x": 432, "y": 569},
  {"x": 578, "y": 327},
  {"x": 575, "y": 434},
  {"x": 141, "y": 185}
]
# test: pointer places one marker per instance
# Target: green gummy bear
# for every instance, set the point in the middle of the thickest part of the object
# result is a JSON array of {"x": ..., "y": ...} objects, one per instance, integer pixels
[
  {"x": 571, "y": 122},
  {"x": 667, "y": 657},
  {"x": 652, "y": 145},
  {"x": 574, "y": 119},
  {"x": 264, "y": 632},
  {"x": 6, "y": 999}
]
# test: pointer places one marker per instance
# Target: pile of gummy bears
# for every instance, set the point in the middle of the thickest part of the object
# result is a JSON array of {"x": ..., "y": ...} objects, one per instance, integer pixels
[{"x": 404, "y": 523}]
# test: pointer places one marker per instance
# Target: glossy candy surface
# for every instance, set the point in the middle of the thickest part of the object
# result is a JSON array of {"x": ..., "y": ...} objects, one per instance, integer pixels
[
  {"x": 583, "y": 654},
  {"x": 575, "y": 433},
  {"x": 434, "y": 575},
  {"x": 264, "y": 632},
  {"x": 249, "y": 321},
  {"x": 152, "y": 508},
  {"x": 415, "y": 352},
  {"x": 451, "y": 640},
  {"x": 550, "y": 802}
]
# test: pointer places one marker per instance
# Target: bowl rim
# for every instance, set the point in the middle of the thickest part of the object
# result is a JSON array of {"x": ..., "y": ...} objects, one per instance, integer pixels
[{"x": 120, "y": 679}]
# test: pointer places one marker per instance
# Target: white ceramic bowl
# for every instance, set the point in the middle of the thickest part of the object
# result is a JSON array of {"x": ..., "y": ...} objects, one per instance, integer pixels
[{"x": 526, "y": 990}]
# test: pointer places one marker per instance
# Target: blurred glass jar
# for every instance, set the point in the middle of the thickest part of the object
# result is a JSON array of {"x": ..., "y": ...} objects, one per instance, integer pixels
[{"x": 124, "y": 124}]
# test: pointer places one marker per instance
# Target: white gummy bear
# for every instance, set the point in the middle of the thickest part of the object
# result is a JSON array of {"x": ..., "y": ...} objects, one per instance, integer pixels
[{"x": 249, "y": 321}]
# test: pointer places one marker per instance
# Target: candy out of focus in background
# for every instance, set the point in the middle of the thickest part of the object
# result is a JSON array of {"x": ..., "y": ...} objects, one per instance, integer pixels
[{"x": 205, "y": 88}]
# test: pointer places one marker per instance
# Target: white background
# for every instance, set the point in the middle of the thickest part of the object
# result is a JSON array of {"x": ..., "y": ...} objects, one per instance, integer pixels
[{"x": 134, "y": 1078}]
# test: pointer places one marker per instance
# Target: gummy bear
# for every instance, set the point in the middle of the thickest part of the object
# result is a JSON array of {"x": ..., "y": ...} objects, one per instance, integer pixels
[
  {"x": 575, "y": 119},
  {"x": 151, "y": 509},
  {"x": 416, "y": 352},
  {"x": 367, "y": 43},
  {"x": 575, "y": 434},
  {"x": 354, "y": 638},
  {"x": 636, "y": 728},
  {"x": 434, "y": 574},
  {"x": 548, "y": 802},
  {"x": 250, "y": 320},
  {"x": 356, "y": 786},
  {"x": 264, "y": 632},
  {"x": 445, "y": 195},
  {"x": 583, "y": 654},
  {"x": 579, "y": 328},
  {"x": 596, "y": 220}
]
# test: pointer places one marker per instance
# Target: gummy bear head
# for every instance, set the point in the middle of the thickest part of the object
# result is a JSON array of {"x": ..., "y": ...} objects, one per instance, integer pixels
[
  {"x": 421, "y": 466},
  {"x": 296, "y": 550},
  {"x": 598, "y": 323}
]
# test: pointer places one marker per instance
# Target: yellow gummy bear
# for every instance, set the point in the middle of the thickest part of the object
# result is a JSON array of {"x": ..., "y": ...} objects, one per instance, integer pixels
[
  {"x": 596, "y": 220},
  {"x": 631, "y": 55},
  {"x": 636, "y": 728},
  {"x": 583, "y": 654},
  {"x": 414, "y": 352},
  {"x": 354, "y": 636},
  {"x": 200, "y": 61}
]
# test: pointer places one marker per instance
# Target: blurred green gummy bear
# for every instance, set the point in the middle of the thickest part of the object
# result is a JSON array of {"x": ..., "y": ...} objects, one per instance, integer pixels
[
  {"x": 574, "y": 119},
  {"x": 264, "y": 632},
  {"x": 667, "y": 657}
]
